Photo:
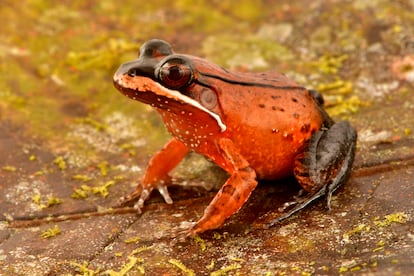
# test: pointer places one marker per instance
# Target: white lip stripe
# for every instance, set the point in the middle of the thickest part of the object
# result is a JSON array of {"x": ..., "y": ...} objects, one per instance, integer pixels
[{"x": 175, "y": 94}]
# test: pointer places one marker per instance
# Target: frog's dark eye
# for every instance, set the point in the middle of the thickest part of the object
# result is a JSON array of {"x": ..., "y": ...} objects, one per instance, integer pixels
[{"x": 175, "y": 73}]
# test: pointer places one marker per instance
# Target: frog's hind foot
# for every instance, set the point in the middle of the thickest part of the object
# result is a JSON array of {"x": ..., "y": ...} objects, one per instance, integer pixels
[
  {"x": 298, "y": 205},
  {"x": 324, "y": 165}
]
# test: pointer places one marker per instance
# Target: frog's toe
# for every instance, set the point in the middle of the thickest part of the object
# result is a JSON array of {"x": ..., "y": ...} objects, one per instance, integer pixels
[
  {"x": 162, "y": 188},
  {"x": 130, "y": 198},
  {"x": 143, "y": 196},
  {"x": 296, "y": 206}
]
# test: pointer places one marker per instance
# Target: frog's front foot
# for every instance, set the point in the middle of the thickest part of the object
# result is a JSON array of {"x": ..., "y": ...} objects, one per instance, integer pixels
[
  {"x": 142, "y": 193},
  {"x": 324, "y": 165}
]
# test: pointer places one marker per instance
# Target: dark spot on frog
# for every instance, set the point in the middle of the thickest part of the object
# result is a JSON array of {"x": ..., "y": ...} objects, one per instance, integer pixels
[
  {"x": 228, "y": 189},
  {"x": 305, "y": 128},
  {"x": 276, "y": 97},
  {"x": 294, "y": 100},
  {"x": 261, "y": 105},
  {"x": 296, "y": 115},
  {"x": 278, "y": 108}
]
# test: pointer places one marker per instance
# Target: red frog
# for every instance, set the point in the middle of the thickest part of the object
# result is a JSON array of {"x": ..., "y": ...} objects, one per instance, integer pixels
[{"x": 253, "y": 125}]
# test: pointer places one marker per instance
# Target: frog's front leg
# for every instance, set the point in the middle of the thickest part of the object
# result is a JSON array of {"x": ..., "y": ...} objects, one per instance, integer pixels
[
  {"x": 324, "y": 165},
  {"x": 156, "y": 175},
  {"x": 233, "y": 194}
]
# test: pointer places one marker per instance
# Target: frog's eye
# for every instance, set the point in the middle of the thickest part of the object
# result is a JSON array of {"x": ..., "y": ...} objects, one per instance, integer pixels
[{"x": 175, "y": 73}]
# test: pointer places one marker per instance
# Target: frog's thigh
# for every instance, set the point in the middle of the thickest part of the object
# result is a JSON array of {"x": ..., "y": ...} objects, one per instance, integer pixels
[
  {"x": 233, "y": 194},
  {"x": 326, "y": 162}
]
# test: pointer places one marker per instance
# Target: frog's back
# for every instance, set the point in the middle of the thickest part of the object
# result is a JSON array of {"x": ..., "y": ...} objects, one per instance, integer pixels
[{"x": 270, "y": 121}]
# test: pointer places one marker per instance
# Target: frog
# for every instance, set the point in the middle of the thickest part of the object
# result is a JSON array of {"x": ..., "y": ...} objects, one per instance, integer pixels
[{"x": 254, "y": 125}]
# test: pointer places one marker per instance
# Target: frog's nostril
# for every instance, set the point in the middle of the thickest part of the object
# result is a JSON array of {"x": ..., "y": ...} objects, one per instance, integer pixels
[{"x": 132, "y": 72}]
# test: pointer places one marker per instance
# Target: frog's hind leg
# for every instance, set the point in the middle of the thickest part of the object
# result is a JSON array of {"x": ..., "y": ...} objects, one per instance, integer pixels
[
  {"x": 232, "y": 195},
  {"x": 324, "y": 165}
]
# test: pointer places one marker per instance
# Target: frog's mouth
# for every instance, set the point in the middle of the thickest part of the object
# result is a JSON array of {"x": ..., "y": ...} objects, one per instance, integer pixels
[{"x": 148, "y": 91}]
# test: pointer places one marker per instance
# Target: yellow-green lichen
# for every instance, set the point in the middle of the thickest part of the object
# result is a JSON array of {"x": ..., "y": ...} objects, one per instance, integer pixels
[
  {"x": 85, "y": 190},
  {"x": 360, "y": 228},
  {"x": 84, "y": 269},
  {"x": 246, "y": 52},
  {"x": 81, "y": 177},
  {"x": 330, "y": 64},
  {"x": 200, "y": 242},
  {"x": 103, "y": 168},
  {"x": 94, "y": 123},
  {"x": 340, "y": 105},
  {"x": 9, "y": 168},
  {"x": 177, "y": 263},
  {"x": 336, "y": 87},
  {"x": 211, "y": 265},
  {"x": 82, "y": 192},
  {"x": 140, "y": 249},
  {"x": 398, "y": 217},
  {"x": 60, "y": 162},
  {"x": 46, "y": 203},
  {"x": 129, "y": 148},
  {"x": 135, "y": 239},
  {"x": 226, "y": 269},
  {"x": 103, "y": 189},
  {"x": 105, "y": 57},
  {"x": 51, "y": 232},
  {"x": 127, "y": 267}
]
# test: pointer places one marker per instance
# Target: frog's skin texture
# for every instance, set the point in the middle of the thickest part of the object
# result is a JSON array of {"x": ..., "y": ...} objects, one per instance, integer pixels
[{"x": 253, "y": 125}]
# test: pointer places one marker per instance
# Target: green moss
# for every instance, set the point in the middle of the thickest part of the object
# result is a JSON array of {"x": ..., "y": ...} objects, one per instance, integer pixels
[
  {"x": 200, "y": 242},
  {"x": 251, "y": 52},
  {"x": 132, "y": 240},
  {"x": 103, "y": 168},
  {"x": 226, "y": 269},
  {"x": 81, "y": 177},
  {"x": 107, "y": 57},
  {"x": 398, "y": 217},
  {"x": 43, "y": 203},
  {"x": 85, "y": 190},
  {"x": 9, "y": 168},
  {"x": 51, "y": 232},
  {"x": 360, "y": 228},
  {"x": 330, "y": 64},
  {"x": 84, "y": 269},
  {"x": 82, "y": 192},
  {"x": 60, "y": 162},
  {"x": 336, "y": 87},
  {"x": 182, "y": 267},
  {"x": 127, "y": 267},
  {"x": 341, "y": 106}
]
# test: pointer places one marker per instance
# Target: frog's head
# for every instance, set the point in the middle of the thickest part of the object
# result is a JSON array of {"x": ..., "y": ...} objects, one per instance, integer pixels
[{"x": 168, "y": 81}]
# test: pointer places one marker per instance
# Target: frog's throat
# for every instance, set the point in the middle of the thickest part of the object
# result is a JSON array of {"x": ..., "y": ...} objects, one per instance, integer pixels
[{"x": 173, "y": 94}]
